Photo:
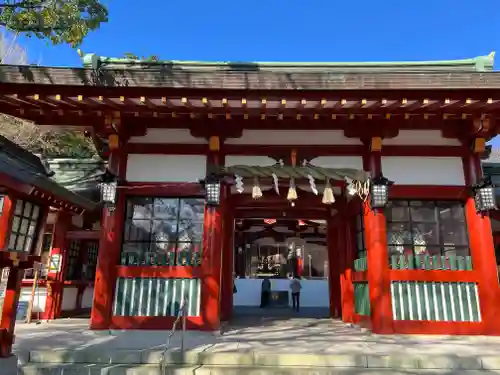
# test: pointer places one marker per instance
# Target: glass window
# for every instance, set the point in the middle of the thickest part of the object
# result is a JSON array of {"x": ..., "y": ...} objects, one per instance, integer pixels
[
  {"x": 426, "y": 228},
  {"x": 74, "y": 266},
  {"x": 24, "y": 225},
  {"x": 360, "y": 237},
  {"x": 1, "y": 203},
  {"x": 92, "y": 249},
  {"x": 163, "y": 231}
]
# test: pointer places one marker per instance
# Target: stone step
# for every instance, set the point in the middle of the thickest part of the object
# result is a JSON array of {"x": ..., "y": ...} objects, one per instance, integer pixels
[
  {"x": 258, "y": 359},
  {"x": 88, "y": 369}
]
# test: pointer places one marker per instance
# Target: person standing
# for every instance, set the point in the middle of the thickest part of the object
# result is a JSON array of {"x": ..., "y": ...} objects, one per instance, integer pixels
[
  {"x": 295, "y": 287},
  {"x": 265, "y": 293}
]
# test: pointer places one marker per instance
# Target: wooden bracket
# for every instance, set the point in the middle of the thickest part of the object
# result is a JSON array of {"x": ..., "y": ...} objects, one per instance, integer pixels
[
  {"x": 112, "y": 123},
  {"x": 376, "y": 144},
  {"x": 113, "y": 128},
  {"x": 481, "y": 125},
  {"x": 214, "y": 143},
  {"x": 479, "y": 145}
]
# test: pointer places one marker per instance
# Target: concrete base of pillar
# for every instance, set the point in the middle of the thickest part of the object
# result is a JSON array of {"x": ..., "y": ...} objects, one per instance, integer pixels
[{"x": 9, "y": 365}]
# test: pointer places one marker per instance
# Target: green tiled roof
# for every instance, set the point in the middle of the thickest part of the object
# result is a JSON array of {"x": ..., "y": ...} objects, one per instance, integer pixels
[
  {"x": 27, "y": 168},
  {"x": 477, "y": 64},
  {"x": 78, "y": 175}
]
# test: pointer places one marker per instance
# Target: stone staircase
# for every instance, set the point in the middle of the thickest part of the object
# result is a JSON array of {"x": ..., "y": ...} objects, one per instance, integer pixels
[
  {"x": 134, "y": 362},
  {"x": 250, "y": 346}
]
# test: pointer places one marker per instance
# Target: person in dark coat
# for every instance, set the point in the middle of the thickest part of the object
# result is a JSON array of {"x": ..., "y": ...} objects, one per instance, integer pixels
[
  {"x": 265, "y": 292},
  {"x": 295, "y": 287}
]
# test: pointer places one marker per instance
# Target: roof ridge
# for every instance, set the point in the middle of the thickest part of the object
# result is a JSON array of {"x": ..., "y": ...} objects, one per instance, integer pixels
[{"x": 479, "y": 63}]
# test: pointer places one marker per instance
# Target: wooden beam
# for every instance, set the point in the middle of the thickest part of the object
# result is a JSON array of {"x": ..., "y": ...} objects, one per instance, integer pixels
[{"x": 83, "y": 234}]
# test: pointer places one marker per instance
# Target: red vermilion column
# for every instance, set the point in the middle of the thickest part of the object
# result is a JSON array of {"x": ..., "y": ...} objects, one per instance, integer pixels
[
  {"x": 347, "y": 268},
  {"x": 12, "y": 292},
  {"x": 212, "y": 251},
  {"x": 482, "y": 251},
  {"x": 9, "y": 311},
  {"x": 55, "y": 284},
  {"x": 6, "y": 221},
  {"x": 227, "y": 263},
  {"x": 109, "y": 250},
  {"x": 335, "y": 250},
  {"x": 211, "y": 266},
  {"x": 379, "y": 281}
]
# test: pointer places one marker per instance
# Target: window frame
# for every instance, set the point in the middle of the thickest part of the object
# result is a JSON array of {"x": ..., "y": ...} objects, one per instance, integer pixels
[
  {"x": 360, "y": 233},
  {"x": 73, "y": 272},
  {"x": 178, "y": 254},
  {"x": 92, "y": 249},
  {"x": 440, "y": 244},
  {"x": 31, "y": 220}
]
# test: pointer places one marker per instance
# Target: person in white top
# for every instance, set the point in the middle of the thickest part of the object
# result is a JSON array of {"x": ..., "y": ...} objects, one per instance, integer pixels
[{"x": 295, "y": 287}]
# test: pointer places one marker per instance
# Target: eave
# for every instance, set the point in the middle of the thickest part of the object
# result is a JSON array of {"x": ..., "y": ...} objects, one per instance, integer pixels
[
  {"x": 123, "y": 80},
  {"x": 16, "y": 176},
  {"x": 170, "y": 97}
]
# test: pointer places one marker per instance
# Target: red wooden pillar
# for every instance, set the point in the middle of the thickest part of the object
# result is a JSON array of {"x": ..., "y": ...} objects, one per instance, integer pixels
[
  {"x": 109, "y": 250},
  {"x": 335, "y": 250},
  {"x": 348, "y": 254},
  {"x": 482, "y": 251},
  {"x": 59, "y": 254},
  {"x": 211, "y": 265},
  {"x": 227, "y": 263},
  {"x": 379, "y": 281},
  {"x": 212, "y": 248},
  {"x": 13, "y": 290},
  {"x": 6, "y": 220},
  {"x": 9, "y": 311}
]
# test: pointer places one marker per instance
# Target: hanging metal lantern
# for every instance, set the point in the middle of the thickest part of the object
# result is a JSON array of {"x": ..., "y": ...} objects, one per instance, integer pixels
[
  {"x": 484, "y": 196},
  {"x": 379, "y": 191},
  {"x": 212, "y": 190},
  {"x": 109, "y": 188}
]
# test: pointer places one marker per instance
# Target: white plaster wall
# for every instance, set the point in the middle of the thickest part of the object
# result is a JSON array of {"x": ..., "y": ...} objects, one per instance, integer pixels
[
  {"x": 182, "y": 136},
  {"x": 51, "y": 218},
  {"x": 69, "y": 299},
  {"x": 88, "y": 297},
  {"x": 409, "y": 170},
  {"x": 421, "y": 137},
  {"x": 353, "y": 162},
  {"x": 166, "y": 168},
  {"x": 77, "y": 221},
  {"x": 314, "y": 293},
  {"x": 293, "y": 137},
  {"x": 39, "y": 300},
  {"x": 261, "y": 161}
]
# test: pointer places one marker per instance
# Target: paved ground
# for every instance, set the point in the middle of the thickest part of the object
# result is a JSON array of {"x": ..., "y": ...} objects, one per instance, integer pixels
[
  {"x": 283, "y": 312},
  {"x": 257, "y": 334}
]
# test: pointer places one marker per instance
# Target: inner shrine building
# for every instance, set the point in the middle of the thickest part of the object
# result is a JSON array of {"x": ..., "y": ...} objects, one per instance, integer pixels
[{"x": 299, "y": 156}]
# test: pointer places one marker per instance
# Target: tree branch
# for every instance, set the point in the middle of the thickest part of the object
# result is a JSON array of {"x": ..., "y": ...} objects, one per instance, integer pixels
[{"x": 26, "y": 5}]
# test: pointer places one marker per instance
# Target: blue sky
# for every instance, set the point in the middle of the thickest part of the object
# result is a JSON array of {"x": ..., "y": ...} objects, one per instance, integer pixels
[{"x": 279, "y": 30}]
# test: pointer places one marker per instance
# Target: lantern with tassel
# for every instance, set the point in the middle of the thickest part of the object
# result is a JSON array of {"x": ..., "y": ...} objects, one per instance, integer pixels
[
  {"x": 292, "y": 192},
  {"x": 256, "y": 191},
  {"x": 328, "y": 197}
]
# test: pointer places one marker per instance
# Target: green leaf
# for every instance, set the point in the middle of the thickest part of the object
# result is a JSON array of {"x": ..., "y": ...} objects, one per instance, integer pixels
[{"x": 60, "y": 21}]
